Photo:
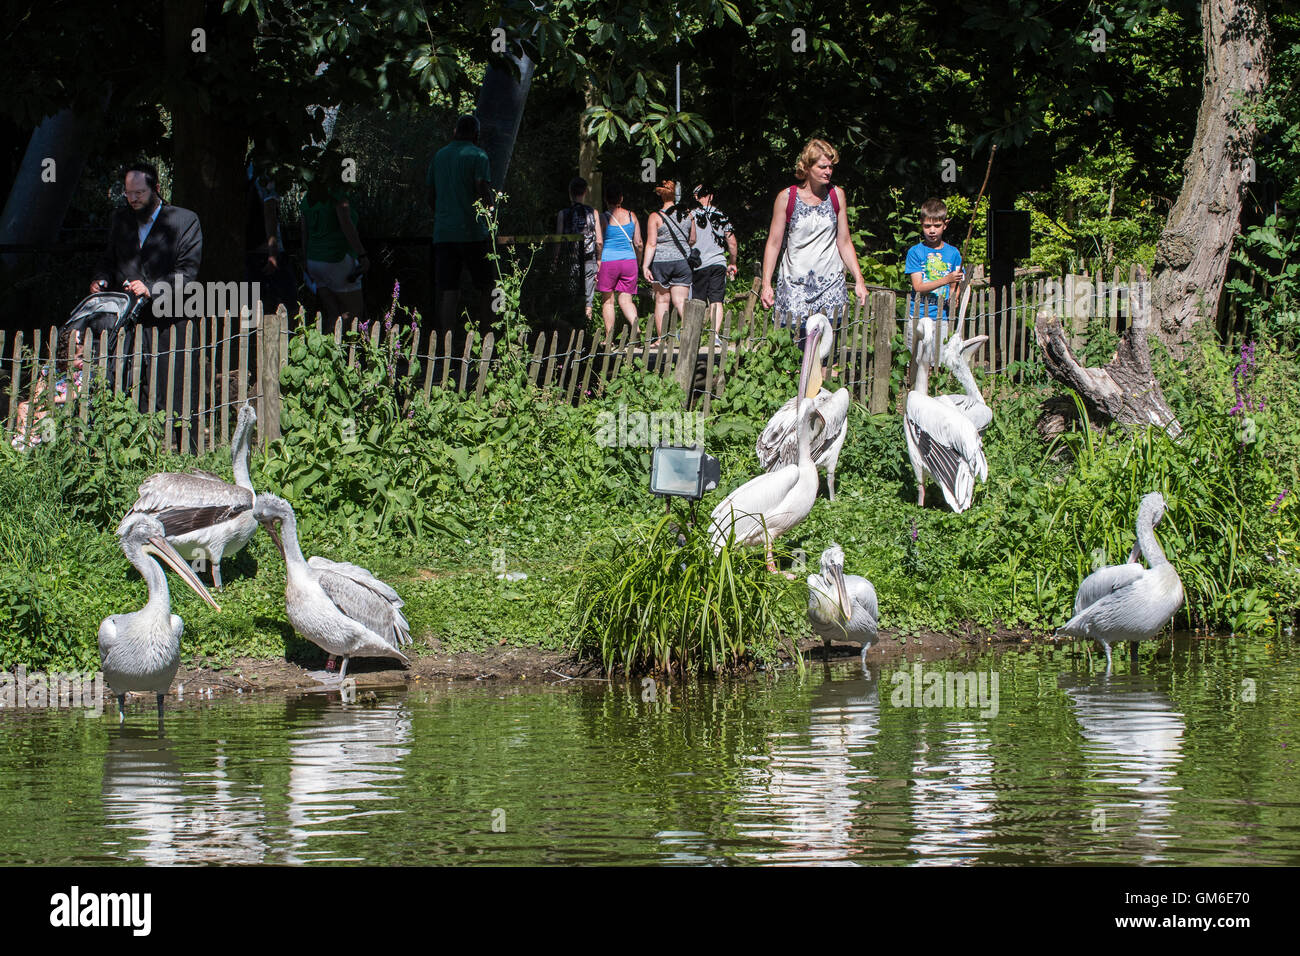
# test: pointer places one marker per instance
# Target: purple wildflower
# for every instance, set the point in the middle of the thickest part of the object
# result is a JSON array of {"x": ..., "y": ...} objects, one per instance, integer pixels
[
  {"x": 914, "y": 532},
  {"x": 391, "y": 368},
  {"x": 363, "y": 326},
  {"x": 1241, "y": 376},
  {"x": 1277, "y": 502}
]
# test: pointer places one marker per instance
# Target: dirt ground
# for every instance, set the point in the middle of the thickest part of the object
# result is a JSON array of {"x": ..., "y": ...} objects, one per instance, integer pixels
[{"x": 507, "y": 663}]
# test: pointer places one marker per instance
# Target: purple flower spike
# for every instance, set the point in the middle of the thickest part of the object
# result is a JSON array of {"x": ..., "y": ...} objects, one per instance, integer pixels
[
  {"x": 364, "y": 326},
  {"x": 1277, "y": 502},
  {"x": 914, "y": 532}
]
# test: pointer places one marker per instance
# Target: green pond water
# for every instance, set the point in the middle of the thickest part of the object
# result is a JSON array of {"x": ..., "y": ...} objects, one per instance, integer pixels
[{"x": 1192, "y": 759}]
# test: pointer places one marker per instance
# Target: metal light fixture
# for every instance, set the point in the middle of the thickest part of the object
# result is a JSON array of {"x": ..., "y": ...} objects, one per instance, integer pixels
[{"x": 683, "y": 472}]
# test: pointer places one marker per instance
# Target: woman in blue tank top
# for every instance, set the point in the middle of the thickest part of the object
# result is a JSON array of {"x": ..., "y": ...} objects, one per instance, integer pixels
[{"x": 617, "y": 276}]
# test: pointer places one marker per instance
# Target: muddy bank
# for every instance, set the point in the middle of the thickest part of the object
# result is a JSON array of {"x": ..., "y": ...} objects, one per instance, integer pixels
[{"x": 509, "y": 663}]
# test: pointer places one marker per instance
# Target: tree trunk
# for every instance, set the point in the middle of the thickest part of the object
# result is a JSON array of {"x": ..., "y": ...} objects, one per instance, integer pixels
[
  {"x": 1124, "y": 390},
  {"x": 500, "y": 110},
  {"x": 1193, "y": 251}
]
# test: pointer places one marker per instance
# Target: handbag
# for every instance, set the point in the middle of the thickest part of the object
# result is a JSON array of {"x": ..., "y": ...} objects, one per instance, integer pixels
[{"x": 693, "y": 258}]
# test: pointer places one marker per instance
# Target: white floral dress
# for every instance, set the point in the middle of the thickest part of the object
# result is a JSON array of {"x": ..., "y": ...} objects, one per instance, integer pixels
[{"x": 811, "y": 277}]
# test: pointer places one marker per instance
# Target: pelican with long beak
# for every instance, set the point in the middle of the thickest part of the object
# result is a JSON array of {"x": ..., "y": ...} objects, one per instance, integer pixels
[
  {"x": 141, "y": 651},
  {"x": 341, "y": 608},
  {"x": 205, "y": 516},
  {"x": 842, "y": 606},
  {"x": 779, "y": 443},
  {"x": 955, "y": 357},
  {"x": 1127, "y": 602},
  {"x": 766, "y": 507}
]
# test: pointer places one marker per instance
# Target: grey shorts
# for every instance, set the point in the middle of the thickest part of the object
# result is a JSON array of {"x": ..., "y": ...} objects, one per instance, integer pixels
[{"x": 668, "y": 272}]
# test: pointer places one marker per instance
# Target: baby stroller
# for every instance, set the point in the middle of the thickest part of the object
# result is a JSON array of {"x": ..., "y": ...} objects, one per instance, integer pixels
[{"x": 109, "y": 312}]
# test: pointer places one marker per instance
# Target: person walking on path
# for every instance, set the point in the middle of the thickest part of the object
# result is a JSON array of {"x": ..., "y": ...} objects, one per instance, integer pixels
[
  {"x": 667, "y": 264},
  {"x": 622, "y": 248},
  {"x": 582, "y": 258},
  {"x": 716, "y": 241},
  {"x": 810, "y": 218},
  {"x": 458, "y": 176}
]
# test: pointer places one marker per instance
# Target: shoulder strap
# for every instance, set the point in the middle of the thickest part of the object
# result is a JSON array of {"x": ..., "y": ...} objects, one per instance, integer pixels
[
  {"x": 835, "y": 201},
  {"x": 789, "y": 206}
]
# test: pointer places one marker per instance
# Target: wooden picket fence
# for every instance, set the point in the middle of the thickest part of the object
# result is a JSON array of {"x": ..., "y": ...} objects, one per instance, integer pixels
[{"x": 225, "y": 361}]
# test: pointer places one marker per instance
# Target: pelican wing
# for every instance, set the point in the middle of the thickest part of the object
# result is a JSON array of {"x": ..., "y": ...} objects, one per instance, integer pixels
[
  {"x": 779, "y": 443},
  {"x": 1106, "y": 581},
  {"x": 949, "y": 447},
  {"x": 862, "y": 595},
  {"x": 364, "y": 598},
  {"x": 979, "y": 414},
  {"x": 753, "y": 506},
  {"x": 186, "y": 502}
]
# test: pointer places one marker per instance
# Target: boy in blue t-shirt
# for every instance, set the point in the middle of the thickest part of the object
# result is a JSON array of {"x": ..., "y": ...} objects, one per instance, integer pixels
[{"x": 934, "y": 266}]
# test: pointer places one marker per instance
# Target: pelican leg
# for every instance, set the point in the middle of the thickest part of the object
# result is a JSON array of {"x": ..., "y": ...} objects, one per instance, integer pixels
[
  {"x": 1108, "y": 660},
  {"x": 216, "y": 572},
  {"x": 1133, "y": 651},
  {"x": 771, "y": 561},
  {"x": 160, "y": 715},
  {"x": 121, "y": 708},
  {"x": 830, "y": 485},
  {"x": 344, "y": 672},
  {"x": 826, "y": 650}
]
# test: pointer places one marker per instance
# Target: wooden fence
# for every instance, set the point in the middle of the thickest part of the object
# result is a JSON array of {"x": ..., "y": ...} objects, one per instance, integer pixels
[{"x": 224, "y": 361}]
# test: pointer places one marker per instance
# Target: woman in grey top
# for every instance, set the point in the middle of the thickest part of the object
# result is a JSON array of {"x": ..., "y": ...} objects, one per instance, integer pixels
[
  {"x": 817, "y": 244},
  {"x": 671, "y": 233}
]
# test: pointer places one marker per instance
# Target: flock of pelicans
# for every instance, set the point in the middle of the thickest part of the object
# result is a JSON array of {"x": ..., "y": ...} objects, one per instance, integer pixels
[{"x": 347, "y": 611}]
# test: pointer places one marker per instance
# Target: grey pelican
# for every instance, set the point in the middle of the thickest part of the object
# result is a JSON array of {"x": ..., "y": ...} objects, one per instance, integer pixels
[
  {"x": 941, "y": 441},
  {"x": 764, "y": 508},
  {"x": 1127, "y": 602},
  {"x": 779, "y": 443},
  {"x": 840, "y": 606},
  {"x": 343, "y": 609},
  {"x": 954, "y": 357},
  {"x": 205, "y": 517},
  {"x": 140, "y": 651}
]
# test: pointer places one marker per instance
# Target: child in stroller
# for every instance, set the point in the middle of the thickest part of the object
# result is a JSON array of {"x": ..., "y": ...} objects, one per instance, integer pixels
[{"x": 66, "y": 374}]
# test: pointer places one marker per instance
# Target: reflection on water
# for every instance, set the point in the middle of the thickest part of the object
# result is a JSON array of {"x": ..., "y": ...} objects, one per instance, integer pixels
[
  {"x": 1134, "y": 744},
  {"x": 806, "y": 793},
  {"x": 345, "y": 766},
  {"x": 1173, "y": 766},
  {"x": 158, "y": 814}
]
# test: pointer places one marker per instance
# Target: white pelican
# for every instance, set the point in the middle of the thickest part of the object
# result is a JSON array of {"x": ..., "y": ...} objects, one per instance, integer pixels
[
  {"x": 205, "y": 517},
  {"x": 140, "y": 651},
  {"x": 941, "y": 441},
  {"x": 954, "y": 357},
  {"x": 779, "y": 443},
  {"x": 1127, "y": 602},
  {"x": 343, "y": 609},
  {"x": 766, "y": 507},
  {"x": 840, "y": 606}
]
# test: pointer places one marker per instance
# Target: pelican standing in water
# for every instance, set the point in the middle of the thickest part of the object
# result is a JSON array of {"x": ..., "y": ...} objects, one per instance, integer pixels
[
  {"x": 841, "y": 606},
  {"x": 955, "y": 358},
  {"x": 1127, "y": 602},
  {"x": 766, "y": 507},
  {"x": 779, "y": 443},
  {"x": 141, "y": 651},
  {"x": 341, "y": 608},
  {"x": 205, "y": 517},
  {"x": 941, "y": 441}
]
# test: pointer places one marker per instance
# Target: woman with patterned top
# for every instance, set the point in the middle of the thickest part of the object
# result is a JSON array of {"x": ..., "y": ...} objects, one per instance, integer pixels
[{"x": 810, "y": 219}]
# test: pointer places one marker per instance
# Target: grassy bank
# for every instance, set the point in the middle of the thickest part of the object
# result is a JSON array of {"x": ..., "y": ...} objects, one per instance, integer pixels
[{"x": 442, "y": 497}]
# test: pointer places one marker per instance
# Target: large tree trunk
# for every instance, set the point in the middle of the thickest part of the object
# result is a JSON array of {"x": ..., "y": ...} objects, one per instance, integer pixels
[
  {"x": 500, "y": 110},
  {"x": 1192, "y": 255}
]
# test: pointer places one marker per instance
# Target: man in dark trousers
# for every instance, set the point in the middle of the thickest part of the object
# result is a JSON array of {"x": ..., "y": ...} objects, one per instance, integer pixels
[
  {"x": 151, "y": 243},
  {"x": 457, "y": 177}
]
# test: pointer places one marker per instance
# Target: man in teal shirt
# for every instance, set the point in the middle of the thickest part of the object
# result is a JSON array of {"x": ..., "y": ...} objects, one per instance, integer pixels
[{"x": 457, "y": 177}]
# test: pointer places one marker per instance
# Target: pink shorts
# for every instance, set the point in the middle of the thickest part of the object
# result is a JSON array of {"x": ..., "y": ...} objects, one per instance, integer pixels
[{"x": 617, "y": 276}]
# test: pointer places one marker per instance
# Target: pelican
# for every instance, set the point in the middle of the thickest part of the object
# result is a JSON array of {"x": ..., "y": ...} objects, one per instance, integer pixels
[
  {"x": 840, "y": 606},
  {"x": 1127, "y": 602},
  {"x": 205, "y": 517},
  {"x": 343, "y": 609},
  {"x": 141, "y": 650},
  {"x": 779, "y": 443},
  {"x": 954, "y": 357},
  {"x": 764, "y": 508},
  {"x": 941, "y": 441}
]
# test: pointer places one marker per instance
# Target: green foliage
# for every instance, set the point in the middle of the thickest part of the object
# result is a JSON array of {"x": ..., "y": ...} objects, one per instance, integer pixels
[
  {"x": 658, "y": 599},
  {"x": 1270, "y": 252}
]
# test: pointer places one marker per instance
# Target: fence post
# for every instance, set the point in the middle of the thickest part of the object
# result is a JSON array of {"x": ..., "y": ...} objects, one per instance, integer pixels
[
  {"x": 268, "y": 423},
  {"x": 688, "y": 347},
  {"x": 885, "y": 320}
]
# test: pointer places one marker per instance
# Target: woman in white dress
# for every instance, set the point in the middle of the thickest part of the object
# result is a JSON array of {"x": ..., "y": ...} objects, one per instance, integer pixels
[{"x": 810, "y": 219}]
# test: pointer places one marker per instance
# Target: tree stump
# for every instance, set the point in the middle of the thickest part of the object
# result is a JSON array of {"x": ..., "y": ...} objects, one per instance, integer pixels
[{"x": 1124, "y": 390}]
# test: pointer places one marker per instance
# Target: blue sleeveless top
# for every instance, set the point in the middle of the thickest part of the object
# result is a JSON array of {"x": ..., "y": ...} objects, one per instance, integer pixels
[{"x": 618, "y": 241}]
